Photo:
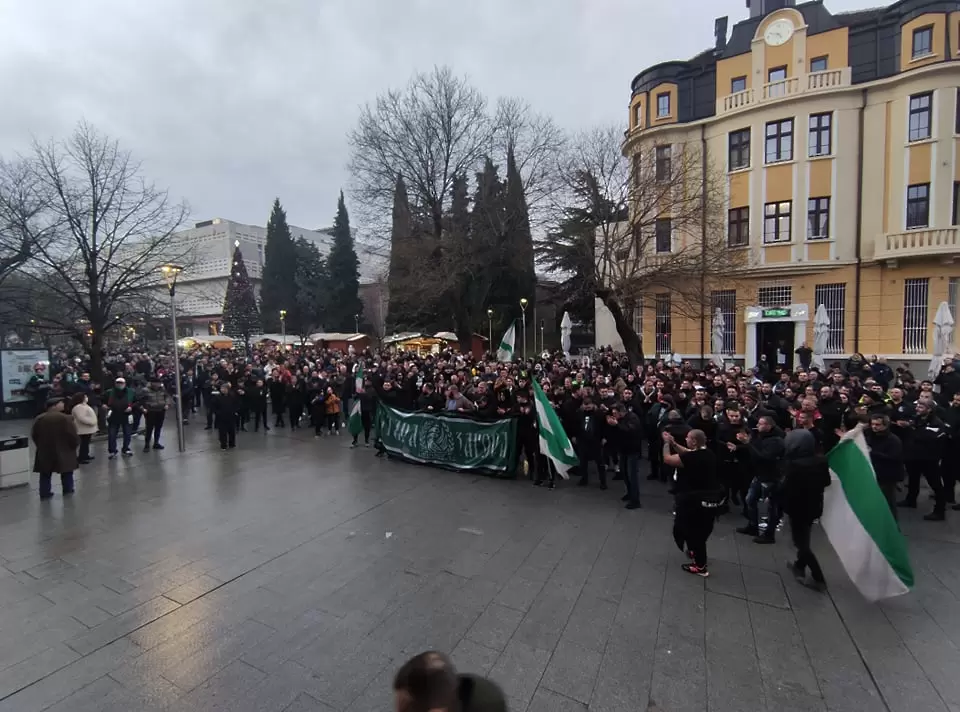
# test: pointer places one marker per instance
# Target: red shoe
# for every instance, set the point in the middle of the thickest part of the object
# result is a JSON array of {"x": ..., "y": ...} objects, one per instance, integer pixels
[
  {"x": 689, "y": 554},
  {"x": 700, "y": 571}
]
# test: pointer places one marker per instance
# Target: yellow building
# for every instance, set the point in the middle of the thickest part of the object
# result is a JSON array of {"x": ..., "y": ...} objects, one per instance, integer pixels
[{"x": 838, "y": 137}]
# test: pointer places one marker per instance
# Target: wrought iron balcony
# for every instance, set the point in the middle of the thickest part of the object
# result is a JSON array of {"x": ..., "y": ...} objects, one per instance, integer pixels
[
  {"x": 811, "y": 83},
  {"x": 934, "y": 242}
]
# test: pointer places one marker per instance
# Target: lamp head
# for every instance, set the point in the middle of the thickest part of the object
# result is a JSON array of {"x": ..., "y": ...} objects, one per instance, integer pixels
[
  {"x": 283, "y": 314},
  {"x": 170, "y": 273},
  {"x": 523, "y": 302}
]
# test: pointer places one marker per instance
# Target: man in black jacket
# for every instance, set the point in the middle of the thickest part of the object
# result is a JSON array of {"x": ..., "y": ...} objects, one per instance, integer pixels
[
  {"x": 765, "y": 450},
  {"x": 886, "y": 456},
  {"x": 225, "y": 407},
  {"x": 628, "y": 434},
  {"x": 257, "y": 398},
  {"x": 951, "y": 454},
  {"x": 589, "y": 435},
  {"x": 928, "y": 434}
]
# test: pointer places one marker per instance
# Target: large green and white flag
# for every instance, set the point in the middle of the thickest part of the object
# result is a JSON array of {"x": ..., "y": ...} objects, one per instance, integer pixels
[
  {"x": 355, "y": 423},
  {"x": 860, "y": 526},
  {"x": 505, "y": 352},
  {"x": 554, "y": 442}
]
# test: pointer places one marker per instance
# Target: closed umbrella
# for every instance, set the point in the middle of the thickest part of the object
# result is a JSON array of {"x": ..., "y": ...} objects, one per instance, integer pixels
[
  {"x": 719, "y": 327},
  {"x": 566, "y": 326},
  {"x": 821, "y": 335},
  {"x": 942, "y": 338}
]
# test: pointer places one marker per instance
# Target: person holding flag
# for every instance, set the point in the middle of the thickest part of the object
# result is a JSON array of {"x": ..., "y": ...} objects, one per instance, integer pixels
[
  {"x": 362, "y": 407},
  {"x": 553, "y": 440}
]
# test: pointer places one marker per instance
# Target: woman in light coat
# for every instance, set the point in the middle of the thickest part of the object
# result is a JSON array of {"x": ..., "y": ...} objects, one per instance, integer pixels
[{"x": 86, "y": 419}]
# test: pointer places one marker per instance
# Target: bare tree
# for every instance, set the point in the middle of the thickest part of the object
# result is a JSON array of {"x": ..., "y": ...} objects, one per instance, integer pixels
[
  {"x": 20, "y": 208},
  {"x": 101, "y": 234},
  {"x": 634, "y": 227}
]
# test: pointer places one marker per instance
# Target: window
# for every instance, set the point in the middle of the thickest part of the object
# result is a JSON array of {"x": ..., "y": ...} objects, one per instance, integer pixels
[
  {"x": 738, "y": 84},
  {"x": 956, "y": 203},
  {"x": 637, "y": 165},
  {"x": 661, "y": 230},
  {"x": 638, "y": 115},
  {"x": 778, "y": 295},
  {"x": 916, "y": 293},
  {"x": 726, "y": 301},
  {"x": 922, "y": 41},
  {"x": 920, "y": 116},
  {"x": 918, "y": 205},
  {"x": 739, "y": 149},
  {"x": 776, "y": 222},
  {"x": 818, "y": 143},
  {"x": 833, "y": 298},
  {"x": 818, "y": 218},
  {"x": 663, "y": 105},
  {"x": 662, "y": 325},
  {"x": 663, "y": 163},
  {"x": 818, "y": 64},
  {"x": 779, "y": 143},
  {"x": 777, "y": 74},
  {"x": 738, "y": 227}
]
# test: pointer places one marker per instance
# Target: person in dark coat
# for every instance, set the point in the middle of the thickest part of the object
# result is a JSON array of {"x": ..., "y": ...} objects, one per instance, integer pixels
[
  {"x": 278, "y": 392},
  {"x": 257, "y": 397},
  {"x": 368, "y": 410},
  {"x": 54, "y": 434},
  {"x": 805, "y": 476},
  {"x": 589, "y": 434},
  {"x": 225, "y": 408},
  {"x": 886, "y": 456},
  {"x": 429, "y": 682}
]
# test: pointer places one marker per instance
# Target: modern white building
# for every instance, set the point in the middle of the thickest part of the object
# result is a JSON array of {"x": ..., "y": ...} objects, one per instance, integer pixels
[{"x": 202, "y": 286}]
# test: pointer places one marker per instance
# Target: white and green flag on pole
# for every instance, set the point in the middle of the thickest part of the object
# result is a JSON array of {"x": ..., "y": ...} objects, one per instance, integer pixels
[
  {"x": 554, "y": 442},
  {"x": 860, "y": 526},
  {"x": 505, "y": 352},
  {"x": 355, "y": 423}
]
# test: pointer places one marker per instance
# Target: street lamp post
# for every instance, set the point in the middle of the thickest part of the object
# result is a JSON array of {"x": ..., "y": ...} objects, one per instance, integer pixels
[
  {"x": 490, "y": 320},
  {"x": 356, "y": 323},
  {"x": 170, "y": 275},
  {"x": 543, "y": 343},
  {"x": 523, "y": 312},
  {"x": 283, "y": 328}
]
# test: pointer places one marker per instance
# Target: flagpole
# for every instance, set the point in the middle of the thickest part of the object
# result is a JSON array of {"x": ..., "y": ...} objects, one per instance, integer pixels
[{"x": 523, "y": 312}]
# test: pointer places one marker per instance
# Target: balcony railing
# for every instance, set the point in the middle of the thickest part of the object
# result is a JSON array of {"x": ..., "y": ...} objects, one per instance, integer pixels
[
  {"x": 789, "y": 87},
  {"x": 918, "y": 243}
]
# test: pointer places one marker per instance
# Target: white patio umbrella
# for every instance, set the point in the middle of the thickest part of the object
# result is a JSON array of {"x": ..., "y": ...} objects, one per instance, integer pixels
[
  {"x": 821, "y": 334},
  {"x": 716, "y": 341},
  {"x": 942, "y": 338},
  {"x": 566, "y": 326}
]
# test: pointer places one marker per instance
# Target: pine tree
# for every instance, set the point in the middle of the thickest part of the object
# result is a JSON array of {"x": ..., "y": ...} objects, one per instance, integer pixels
[
  {"x": 278, "y": 290},
  {"x": 310, "y": 307},
  {"x": 519, "y": 240},
  {"x": 401, "y": 252},
  {"x": 345, "y": 306},
  {"x": 241, "y": 319}
]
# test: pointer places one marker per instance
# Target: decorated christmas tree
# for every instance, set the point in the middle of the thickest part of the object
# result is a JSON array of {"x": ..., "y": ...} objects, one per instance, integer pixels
[{"x": 241, "y": 318}]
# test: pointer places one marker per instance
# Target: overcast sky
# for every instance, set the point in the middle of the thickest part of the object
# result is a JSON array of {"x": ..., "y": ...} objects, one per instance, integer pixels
[{"x": 230, "y": 103}]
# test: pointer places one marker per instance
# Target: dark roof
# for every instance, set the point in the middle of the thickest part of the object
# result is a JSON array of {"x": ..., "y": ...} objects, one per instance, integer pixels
[{"x": 856, "y": 17}]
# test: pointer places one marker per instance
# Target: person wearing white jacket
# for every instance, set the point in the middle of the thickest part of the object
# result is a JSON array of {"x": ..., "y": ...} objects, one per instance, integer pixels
[{"x": 86, "y": 419}]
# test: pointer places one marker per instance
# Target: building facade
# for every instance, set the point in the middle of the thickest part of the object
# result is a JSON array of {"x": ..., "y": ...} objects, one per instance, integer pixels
[
  {"x": 202, "y": 287},
  {"x": 836, "y": 135}
]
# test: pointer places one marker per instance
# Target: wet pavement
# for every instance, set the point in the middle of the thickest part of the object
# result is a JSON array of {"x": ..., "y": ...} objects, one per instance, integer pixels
[{"x": 295, "y": 574}]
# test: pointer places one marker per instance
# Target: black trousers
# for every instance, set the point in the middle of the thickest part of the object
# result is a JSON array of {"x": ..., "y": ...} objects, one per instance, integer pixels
[
  {"x": 693, "y": 526},
  {"x": 800, "y": 530},
  {"x": 528, "y": 447},
  {"x": 84, "y": 447},
  {"x": 948, "y": 472},
  {"x": 295, "y": 414},
  {"x": 260, "y": 416},
  {"x": 228, "y": 435},
  {"x": 889, "y": 490},
  {"x": 591, "y": 452},
  {"x": 154, "y": 424},
  {"x": 930, "y": 470}
]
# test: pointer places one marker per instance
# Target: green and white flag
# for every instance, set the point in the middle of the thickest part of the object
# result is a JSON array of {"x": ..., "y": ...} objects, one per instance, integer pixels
[
  {"x": 355, "y": 423},
  {"x": 554, "y": 442},
  {"x": 505, "y": 352},
  {"x": 860, "y": 526}
]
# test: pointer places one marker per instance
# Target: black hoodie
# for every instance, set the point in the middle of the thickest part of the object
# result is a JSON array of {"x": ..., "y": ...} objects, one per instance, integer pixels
[{"x": 805, "y": 476}]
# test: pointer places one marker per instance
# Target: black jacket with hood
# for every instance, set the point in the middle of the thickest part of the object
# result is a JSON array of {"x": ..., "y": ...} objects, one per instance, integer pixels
[{"x": 805, "y": 476}]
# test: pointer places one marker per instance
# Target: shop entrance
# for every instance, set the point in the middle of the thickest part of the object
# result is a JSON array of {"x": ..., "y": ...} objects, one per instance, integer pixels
[{"x": 775, "y": 341}]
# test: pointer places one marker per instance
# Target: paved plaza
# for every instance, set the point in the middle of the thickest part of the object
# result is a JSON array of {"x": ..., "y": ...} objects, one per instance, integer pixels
[{"x": 294, "y": 574}]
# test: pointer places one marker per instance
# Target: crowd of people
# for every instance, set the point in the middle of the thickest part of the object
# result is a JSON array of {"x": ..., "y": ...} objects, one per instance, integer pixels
[{"x": 719, "y": 439}]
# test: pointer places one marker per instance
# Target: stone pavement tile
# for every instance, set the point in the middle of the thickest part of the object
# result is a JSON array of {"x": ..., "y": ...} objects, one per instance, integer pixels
[
  {"x": 227, "y": 690},
  {"x": 71, "y": 678},
  {"x": 543, "y": 560},
  {"x": 378, "y": 695},
  {"x": 342, "y": 677},
  {"x": 623, "y": 682},
  {"x": 35, "y": 635},
  {"x": 733, "y": 673},
  {"x": 636, "y": 623},
  {"x": 572, "y": 671},
  {"x": 784, "y": 662},
  {"x": 670, "y": 694},
  {"x": 542, "y": 625},
  {"x": 764, "y": 586},
  {"x": 509, "y": 558},
  {"x": 14, "y": 614},
  {"x": 474, "y": 658},
  {"x": 518, "y": 672},
  {"x": 50, "y": 568},
  {"x": 793, "y": 701},
  {"x": 193, "y": 589},
  {"x": 495, "y": 626},
  {"x": 932, "y": 649},
  {"x": 519, "y": 593},
  {"x": 590, "y": 622},
  {"x": 286, "y": 642},
  {"x": 91, "y": 698},
  {"x": 726, "y": 578},
  {"x": 35, "y": 667},
  {"x": 121, "y": 625},
  {"x": 190, "y": 671},
  {"x": 546, "y": 701},
  {"x": 305, "y": 703}
]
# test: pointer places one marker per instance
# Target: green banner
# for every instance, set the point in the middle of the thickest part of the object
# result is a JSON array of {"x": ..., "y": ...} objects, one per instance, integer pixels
[{"x": 449, "y": 441}]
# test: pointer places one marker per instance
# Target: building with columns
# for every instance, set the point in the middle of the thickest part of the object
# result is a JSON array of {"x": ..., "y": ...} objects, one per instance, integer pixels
[{"x": 837, "y": 138}]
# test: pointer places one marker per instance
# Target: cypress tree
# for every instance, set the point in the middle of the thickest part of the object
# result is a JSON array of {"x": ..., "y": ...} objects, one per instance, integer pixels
[
  {"x": 343, "y": 274},
  {"x": 401, "y": 252},
  {"x": 241, "y": 318},
  {"x": 519, "y": 240},
  {"x": 278, "y": 288}
]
